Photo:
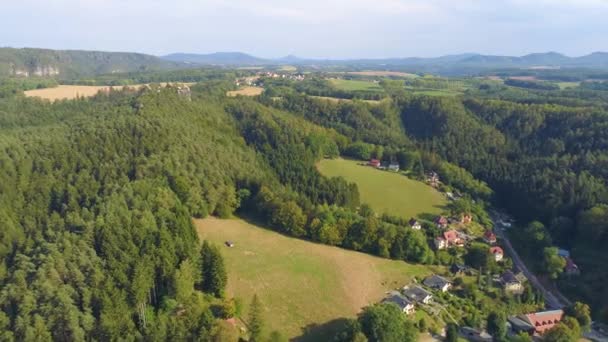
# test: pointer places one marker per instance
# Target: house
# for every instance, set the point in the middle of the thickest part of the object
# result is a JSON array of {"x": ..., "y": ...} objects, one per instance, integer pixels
[
  {"x": 497, "y": 252},
  {"x": 471, "y": 334},
  {"x": 466, "y": 218},
  {"x": 564, "y": 253},
  {"x": 406, "y": 305},
  {"x": 489, "y": 237},
  {"x": 393, "y": 167},
  {"x": 432, "y": 178},
  {"x": 374, "y": 163},
  {"x": 459, "y": 269},
  {"x": 510, "y": 283},
  {"x": 441, "y": 222},
  {"x": 448, "y": 239},
  {"x": 415, "y": 224},
  {"x": 417, "y": 294},
  {"x": 536, "y": 323},
  {"x": 571, "y": 268},
  {"x": 437, "y": 283}
]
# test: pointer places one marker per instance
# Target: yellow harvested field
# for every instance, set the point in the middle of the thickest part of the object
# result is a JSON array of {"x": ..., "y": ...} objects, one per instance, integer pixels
[
  {"x": 382, "y": 73},
  {"x": 246, "y": 91},
  {"x": 69, "y": 92}
]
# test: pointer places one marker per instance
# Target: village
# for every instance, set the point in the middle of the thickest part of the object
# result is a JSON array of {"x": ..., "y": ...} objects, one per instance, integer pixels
[{"x": 433, "y": 294}]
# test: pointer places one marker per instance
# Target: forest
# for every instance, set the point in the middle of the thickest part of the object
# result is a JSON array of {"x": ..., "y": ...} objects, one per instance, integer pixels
[{"x": 97, "y": 195}]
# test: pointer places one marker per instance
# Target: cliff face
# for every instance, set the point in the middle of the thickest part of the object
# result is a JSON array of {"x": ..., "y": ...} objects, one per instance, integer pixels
[
  {"x": 68, "y": 64},
  {"x": 37, "y": 70}
]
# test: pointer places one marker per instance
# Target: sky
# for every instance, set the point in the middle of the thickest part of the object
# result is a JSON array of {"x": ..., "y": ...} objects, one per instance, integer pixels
[{"x": 309, "y": 28}]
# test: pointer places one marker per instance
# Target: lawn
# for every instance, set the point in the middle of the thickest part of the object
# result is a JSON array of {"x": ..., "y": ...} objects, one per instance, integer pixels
[
  {"x": 354, "y": 85},
  {"x": 303, "y": 286},
  {"x": 385, "y": 191}
]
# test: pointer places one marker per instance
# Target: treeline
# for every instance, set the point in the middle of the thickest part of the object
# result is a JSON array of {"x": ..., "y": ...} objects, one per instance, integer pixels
[
  {"x": 514, "y": 82},
  {"x": 318, "y": 87},
  {"x": 14, "y": 86}
]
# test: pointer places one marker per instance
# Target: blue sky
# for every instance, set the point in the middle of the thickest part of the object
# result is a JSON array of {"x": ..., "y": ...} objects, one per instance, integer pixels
[{"x": 310, "y": 28}]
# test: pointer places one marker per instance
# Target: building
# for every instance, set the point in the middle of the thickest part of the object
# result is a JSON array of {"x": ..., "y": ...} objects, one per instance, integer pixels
[
  {"x": 510, "y": 283},
  {"x": 374, "y": 163},
  {"x": 497, "y": 252},
  {"x": 393, "y": 167},
  {"x": 437, "y": 283},
  {"x": 571, "y": 268},
  {"x": 536, "y": 323},
  {"x": 489, "y": 237},
  {"x": 459, "y": 269},
  {"x": 406, "y": 305},
  {"x": 441, "y": 222},
  {"x": 564, "y": 253},
  {"x": 466, "y": 218},
  {"x": 448, "y": 239},
  {"x": 417, "y": 294},
  {"x": 415, "y": 224},
  {"x": 432, "y": 178},
  {"x": 471, "y": 334}
]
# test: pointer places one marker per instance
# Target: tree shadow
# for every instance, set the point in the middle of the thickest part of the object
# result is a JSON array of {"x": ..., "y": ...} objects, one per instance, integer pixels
[{"x": 321, "y": 332}]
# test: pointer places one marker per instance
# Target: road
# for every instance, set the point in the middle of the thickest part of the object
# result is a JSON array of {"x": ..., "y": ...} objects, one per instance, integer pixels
[{"x": 551, "y": 301}]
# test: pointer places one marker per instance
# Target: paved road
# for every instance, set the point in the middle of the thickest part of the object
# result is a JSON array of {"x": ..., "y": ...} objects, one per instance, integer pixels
[{"x": 551, "y": 301}]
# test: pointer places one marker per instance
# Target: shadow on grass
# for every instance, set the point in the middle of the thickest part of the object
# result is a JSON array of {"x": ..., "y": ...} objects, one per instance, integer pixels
[{"x": 321, "y": 332}]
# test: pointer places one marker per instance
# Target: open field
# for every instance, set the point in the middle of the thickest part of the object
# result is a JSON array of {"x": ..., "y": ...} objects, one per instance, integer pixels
[
  {"x": 353, "y": 85},
  {"x": 382, "y": 73},
  {"x": 246, "y": 91},
  {"x": 68, "y": 92},
  {"x": 300, "y": 283},
  {"x": 336, "y": 99},
  {"x": 385, "y": 191},
  {"x": 566, "y": 85}
]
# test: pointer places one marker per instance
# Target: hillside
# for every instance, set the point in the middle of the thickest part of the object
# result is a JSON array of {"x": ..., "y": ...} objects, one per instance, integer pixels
[
  {"x": 302, "y": 284},
  {"x": 65, "y": 64},
  {"x": 217, "y": 58}
]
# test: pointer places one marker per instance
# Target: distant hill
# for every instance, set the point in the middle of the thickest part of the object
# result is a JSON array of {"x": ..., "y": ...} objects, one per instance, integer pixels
[
  {"x": 64, "y": 64},
  {"x": 466, "y": 61},
  {"x": 217, "y": 58}
]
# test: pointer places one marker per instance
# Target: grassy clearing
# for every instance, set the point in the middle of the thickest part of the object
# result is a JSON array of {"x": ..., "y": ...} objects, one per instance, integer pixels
[
  {"x": 353, "y": 85},
  {"x": 385, "y": 191},
  {"x": 566, "y": 85},
  {"x": 383, "y": 73},
  {"x": 336, "y": 99},
  {"x": 302, "y": 284},
  {"x": 246, "y": 91}
]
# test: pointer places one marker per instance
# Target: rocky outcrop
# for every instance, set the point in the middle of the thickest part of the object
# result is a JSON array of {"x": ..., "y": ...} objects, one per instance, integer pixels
[{"x": 39, "y": 70}]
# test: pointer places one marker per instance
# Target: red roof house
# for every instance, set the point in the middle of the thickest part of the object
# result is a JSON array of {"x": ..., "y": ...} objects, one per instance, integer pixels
[
  {"x": 374, "y": 163},
  {"x": 489, "y": 237},
  {"x": 497, "y": 252},
  {"x": 448, "y": 239},
  {"x": 543, "y": 321},
  {"x": 441, "y": 221}
]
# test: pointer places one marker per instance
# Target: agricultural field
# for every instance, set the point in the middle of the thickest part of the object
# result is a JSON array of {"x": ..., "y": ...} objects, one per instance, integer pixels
[
  {"x": 306, "y": 288},
  {"x": 336, "y": 99},
  {"x": 355, "y": 85},
  {"x": 566, "y": 85},
  {"x": 383, "y": 73},
  {"x": 246, "y": 91},
  {"x": 69, "y": 92},
  {"x": 385, "y": 191}
]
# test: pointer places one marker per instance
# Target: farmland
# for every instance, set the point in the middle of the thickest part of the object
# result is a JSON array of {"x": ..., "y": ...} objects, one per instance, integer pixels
[
  {"x": 383, "y": 73},
  {"x": 384, "y": 191},
  {"x": 246, "y": 91},
  {"x": 68, "y": 92},
  {"x": 354, "y": 85},
  {"x": 300, "y": 283}
]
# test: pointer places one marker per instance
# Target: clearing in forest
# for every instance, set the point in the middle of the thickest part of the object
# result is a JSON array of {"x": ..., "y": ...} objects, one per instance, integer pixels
[
  {"x": 306, "y": 288},
  {"x": 355, "y": 85},
  {"x": 383, "y": 73},
  {"x": 69, "y": 92},
  {"x": 386, "y": 191},
  {"x": 246, "y": 91}
]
